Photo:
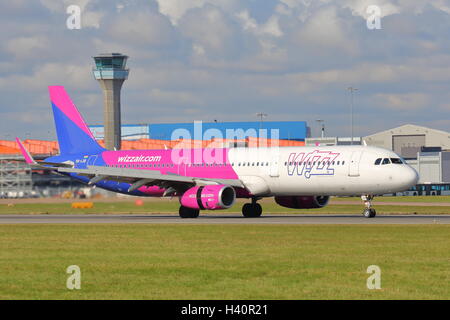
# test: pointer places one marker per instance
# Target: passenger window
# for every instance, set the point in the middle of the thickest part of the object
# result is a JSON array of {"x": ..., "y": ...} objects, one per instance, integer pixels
[
  {"x": 343, "y": 162},
  {"x": 386, "y": 161},
  {"x": 378, "y": 161}
]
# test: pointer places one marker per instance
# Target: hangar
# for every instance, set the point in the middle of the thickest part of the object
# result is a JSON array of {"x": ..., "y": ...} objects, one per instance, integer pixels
[{"x": 409, "y": 139}]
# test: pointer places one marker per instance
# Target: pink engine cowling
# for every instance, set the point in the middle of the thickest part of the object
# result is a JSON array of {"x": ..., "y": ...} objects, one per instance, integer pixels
[
  {"x": 302, "y": 202},
  {"x": 210, "y": 197}
]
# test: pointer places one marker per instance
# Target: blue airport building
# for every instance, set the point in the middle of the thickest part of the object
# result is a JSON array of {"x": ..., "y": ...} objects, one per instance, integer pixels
[{"x": 286, "y": 130}]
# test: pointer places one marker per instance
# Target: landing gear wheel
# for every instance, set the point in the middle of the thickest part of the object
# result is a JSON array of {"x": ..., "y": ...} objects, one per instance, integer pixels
[
  {"x": 369, "y": 213},
  {"x": 188, "y": 212},
  {"x": 252, "y": 210}
]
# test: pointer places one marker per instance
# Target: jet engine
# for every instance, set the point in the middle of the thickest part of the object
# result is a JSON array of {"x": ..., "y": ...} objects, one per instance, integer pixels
[
  {"x": 210, "y": 197},
  {"x": 302, "y": 202}
]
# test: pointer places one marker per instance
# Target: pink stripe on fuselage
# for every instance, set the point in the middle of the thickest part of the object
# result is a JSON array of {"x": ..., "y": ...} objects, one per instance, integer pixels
[
  {"x": 162, "y": 161},
  {"x": 60, "y": 98}
]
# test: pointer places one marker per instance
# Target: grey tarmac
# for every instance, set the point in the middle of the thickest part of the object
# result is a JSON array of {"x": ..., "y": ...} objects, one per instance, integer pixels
[{"x": 330, "y": 219}]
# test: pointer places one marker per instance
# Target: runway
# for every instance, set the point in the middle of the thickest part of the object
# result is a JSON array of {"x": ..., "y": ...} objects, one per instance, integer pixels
[{"x": 224, "y": 219}]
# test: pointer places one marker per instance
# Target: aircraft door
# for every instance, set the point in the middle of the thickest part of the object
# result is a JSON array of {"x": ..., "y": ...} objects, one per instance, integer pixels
[
  {"x": 353, "y": 166},
  {"x": 274, "y": 170},
  {"x": 182, "y": 167}
]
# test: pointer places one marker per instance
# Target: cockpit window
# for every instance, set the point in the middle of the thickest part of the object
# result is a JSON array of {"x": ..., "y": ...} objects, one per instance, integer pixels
[
  {"x": 396, "y": 160},
  {"x": 386, "y": 161},
  {"x": 378, "y": 161}
]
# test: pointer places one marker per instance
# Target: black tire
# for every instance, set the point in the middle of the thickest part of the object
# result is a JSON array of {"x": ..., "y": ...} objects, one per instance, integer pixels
[
  {"x": 257, "y": 210},
  {"x": 246, "y": 210},
  {"x": 187, "y": 213},
  {"x": 369, "y": 213},
  {"x": 250, "y": 210}
]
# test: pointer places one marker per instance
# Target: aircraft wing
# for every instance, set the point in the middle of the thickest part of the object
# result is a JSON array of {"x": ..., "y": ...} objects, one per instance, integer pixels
[{"x": 138, "y": 178}]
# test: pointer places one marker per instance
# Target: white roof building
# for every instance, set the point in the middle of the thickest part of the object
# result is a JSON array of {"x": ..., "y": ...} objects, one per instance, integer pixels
[{"x": 408, "y": 139}]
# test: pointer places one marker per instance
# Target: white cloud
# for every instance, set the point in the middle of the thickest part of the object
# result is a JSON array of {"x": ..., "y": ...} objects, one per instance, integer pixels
[
  {"x": 61, "y": 5},
  {"x": 442, "y": 5},
  {"x": 359, "y": 7},
  {"x": 325, "y": 31},
  {"x": 47, "y": 74},
  {"x": 89, "y": 18},
  {"x": 271, "y": 27},
  {"x": 403, "y": 102},
  {"x": 24, "y": 47},
  {"x": 175, "y": 9},
  {"x": 218, "y": 38},
  {"x": 304, "y": 8},
  {"x": 141, "y": 28}
]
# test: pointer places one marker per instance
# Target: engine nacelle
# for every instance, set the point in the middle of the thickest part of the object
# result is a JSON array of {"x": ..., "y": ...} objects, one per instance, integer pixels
[
  {"x": 302, "y": 202},
  {"x": 210, "y": 197}
]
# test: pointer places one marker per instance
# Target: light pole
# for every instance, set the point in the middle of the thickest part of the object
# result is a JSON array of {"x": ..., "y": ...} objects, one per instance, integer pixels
[
  {"x": 261, "y": 116},
  {"x": 321, "y": 122},
  {"x": 351, "y": 109}
]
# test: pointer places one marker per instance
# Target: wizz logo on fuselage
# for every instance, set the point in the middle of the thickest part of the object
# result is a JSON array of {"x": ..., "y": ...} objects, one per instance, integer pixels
[{"x": 311, "y": 163}]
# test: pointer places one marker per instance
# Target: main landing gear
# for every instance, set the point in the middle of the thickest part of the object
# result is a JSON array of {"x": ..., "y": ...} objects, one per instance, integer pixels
[
  {"x": 188, "y": 212},
  {"x": 252, "y": 210},
  {"x": 368, "y": 212}
]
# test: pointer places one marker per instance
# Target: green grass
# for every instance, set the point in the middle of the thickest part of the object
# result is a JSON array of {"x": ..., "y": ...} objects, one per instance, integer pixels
[
  {"x": 166, "y": 206},
  {"x": 430, "y": 199},
  {"x": 162, "y": 206},
  {"x": 224, "y": 261}
]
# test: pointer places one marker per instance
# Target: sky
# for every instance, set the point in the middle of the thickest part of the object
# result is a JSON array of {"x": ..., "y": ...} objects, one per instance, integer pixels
[{"x": 227, "y": 60}]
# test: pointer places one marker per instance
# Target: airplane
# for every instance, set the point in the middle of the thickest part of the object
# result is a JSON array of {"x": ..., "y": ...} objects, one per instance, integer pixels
[{"x": 212, "y": 179}]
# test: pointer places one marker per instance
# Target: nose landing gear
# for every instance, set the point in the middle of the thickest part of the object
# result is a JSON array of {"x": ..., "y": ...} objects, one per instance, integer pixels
[{"x": 368, "y": 212}]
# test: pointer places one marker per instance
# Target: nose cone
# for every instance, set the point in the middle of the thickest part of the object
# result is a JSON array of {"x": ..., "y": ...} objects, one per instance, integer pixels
[{"x": 410, "y": 177}]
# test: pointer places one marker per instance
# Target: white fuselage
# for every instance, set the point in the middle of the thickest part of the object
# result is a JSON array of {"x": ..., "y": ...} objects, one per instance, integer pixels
[{"x": 334, "y": 170}]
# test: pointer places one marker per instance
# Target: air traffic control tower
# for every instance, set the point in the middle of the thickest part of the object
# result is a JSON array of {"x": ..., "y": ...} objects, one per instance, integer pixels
[{"x": 110, "y": 70}]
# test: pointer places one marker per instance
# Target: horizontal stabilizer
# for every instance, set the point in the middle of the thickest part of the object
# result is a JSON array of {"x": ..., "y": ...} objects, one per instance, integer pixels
[{"x": 28, "y": 158}]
